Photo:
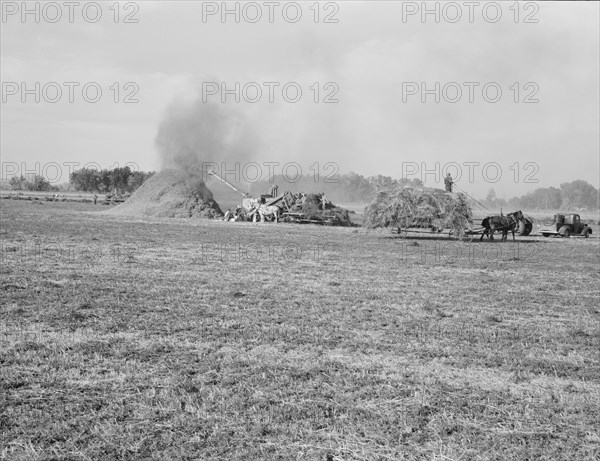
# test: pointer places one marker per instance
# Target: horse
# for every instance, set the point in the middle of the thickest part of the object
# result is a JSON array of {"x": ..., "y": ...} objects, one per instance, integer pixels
[
  {"x": 256, "y": 208},
  {"x": 266, "y": 211},
  {"x": 507, "y": 223}
]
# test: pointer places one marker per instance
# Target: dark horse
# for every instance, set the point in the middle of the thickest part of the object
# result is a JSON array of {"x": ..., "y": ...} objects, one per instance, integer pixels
[{"x": 507, "y": 223}]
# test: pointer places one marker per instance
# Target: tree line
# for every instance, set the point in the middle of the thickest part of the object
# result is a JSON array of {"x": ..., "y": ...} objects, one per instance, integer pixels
[
  {"x": 575, "y": 194},
  {"x": 35, "y": 183},
  {"x": 123, "y": 180},
  {"x": 355, "y": 188},
  {"x": 341, "y": 188}
]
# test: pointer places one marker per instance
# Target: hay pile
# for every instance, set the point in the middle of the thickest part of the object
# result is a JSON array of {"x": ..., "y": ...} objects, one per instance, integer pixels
[
  {"x": 405, "y": 207},
  {"x": 172, "y": 194}
]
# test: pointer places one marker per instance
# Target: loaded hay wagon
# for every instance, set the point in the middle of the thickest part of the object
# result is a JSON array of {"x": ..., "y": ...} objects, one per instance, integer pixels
[
  {"x": 427, "y": 211},
  {"x": 409, "y": 209}
]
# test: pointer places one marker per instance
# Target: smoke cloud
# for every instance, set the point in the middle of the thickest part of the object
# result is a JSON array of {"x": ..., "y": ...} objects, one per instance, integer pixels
[{"x": 192, "y": 135}]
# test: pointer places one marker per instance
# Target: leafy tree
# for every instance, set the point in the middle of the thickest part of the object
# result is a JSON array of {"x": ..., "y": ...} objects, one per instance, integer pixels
[
  {"x": 382, "y": 182},
  {"x": 579, "y": 193},
  {"x": 85, "y": 180},
  {"x": 136, "y": 179},
  {"x": 17, "y": 182},
  {"x": 119, "y": 178},
  {"x": 39, "y": 183},
  {"x": 36, "y": 183}
]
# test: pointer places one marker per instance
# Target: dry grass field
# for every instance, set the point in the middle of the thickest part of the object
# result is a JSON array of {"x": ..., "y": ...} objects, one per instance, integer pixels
[{"x": 176, "y": 339}]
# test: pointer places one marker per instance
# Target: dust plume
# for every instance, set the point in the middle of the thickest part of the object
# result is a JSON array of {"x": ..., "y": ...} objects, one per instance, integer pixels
[{"x": 192, "y": 135}]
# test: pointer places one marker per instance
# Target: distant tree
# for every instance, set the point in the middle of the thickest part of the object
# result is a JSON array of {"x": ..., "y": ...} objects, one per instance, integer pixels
[
  {"x": 515, "y": 203},
  {"x": 39, "y": 183},
  {"x": 382, "y": 182},
  {"x": 105, "y": 177},
  {"x": 356, "y": 188},
  {"x": 540, "y": 199},
  {"x": 135, "y": 180},
  {"x": 85, "y": 180},
  {"x": 552, "y": 198},
  {"x": 579, "y": 193},
  {"x": 495, "y": 203},
  {"x": 17, "y": 182},
  {"x": 119, "y": 178}
]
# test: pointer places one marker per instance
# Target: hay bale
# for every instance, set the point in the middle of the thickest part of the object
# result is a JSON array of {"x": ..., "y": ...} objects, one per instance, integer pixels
[
  {"x": 172, "y": 194},
  {"x": 405, "y": 207}
]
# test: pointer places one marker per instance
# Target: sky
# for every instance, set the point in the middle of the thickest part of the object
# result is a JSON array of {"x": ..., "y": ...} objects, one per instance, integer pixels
[{"x": 498, "y": 95}]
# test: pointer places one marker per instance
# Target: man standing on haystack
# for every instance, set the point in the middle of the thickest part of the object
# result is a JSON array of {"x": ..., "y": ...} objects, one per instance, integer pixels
[
  {"x": 273, "y": 190},
  {"x": 448, "y": 182}
]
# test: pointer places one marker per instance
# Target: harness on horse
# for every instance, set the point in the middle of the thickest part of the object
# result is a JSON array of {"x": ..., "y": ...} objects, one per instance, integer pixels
[
  {"x": 512, "y": 221},
  {"x": 502, "y": 224}
]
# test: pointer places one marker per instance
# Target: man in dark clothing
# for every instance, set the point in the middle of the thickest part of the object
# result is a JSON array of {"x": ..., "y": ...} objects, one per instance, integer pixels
[{"x": 448, "y": 182}]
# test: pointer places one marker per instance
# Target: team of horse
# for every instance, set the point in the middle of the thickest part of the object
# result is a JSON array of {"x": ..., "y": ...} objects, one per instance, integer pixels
[
  {"x": 503, "y": 223},
  {"x": 257, "y": 210},
  {"x": 266, "y": 211}
]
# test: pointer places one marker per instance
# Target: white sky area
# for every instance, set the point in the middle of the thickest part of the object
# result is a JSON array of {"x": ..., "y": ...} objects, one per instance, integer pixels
[{"x": 369, "y": 54}]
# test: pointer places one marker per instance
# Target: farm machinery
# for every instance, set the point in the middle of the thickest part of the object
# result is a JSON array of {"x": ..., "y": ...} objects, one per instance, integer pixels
[
  {"x": 566, "y": 225},
  {"x": 289, "y": 207},
  {"x": 311, "y": 208},
  {"x": 115, "y": 197},
  {"x": 246, "y": 210},
  {"x": 525, "y": 226}
]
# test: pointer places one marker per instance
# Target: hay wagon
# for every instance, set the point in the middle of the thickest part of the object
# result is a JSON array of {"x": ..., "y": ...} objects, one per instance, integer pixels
[
  {"x": 433, "y": 230},
  {"x": 466, "y": 228},
  {"x": 420, "y": 210},
  {"x": 324, "y": 220}
]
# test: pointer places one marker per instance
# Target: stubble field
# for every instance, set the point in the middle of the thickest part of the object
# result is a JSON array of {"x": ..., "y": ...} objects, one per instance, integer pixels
[{"x": 174, "y": 339}]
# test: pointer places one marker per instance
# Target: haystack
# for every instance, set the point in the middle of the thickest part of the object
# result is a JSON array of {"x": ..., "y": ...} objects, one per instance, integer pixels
[
  {"x": 172, "y": 194},
  {"x": 405, "y": 207}
]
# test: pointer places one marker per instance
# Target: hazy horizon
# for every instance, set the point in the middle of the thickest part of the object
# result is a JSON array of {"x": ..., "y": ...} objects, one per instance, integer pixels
[{"x": 542, "y": 130}]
